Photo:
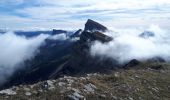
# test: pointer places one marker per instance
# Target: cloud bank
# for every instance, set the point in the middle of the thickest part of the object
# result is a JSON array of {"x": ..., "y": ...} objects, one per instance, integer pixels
[
  {"x": 16, "y": 49},
  {"x": 128, "y": 45}
]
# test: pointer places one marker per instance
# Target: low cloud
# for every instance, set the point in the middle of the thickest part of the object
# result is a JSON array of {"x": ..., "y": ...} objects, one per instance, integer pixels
[
  {"x": 61, "y": 37},
  {"x": 16, "y": 49},
  {"x": 128, "y": 45}
]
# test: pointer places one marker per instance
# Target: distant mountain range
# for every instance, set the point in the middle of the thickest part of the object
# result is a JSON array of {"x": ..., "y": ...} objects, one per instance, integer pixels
[{"x": 36, "y": 33}]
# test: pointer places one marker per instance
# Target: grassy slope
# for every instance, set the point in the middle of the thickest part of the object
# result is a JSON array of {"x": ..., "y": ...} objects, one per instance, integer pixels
[{"x": 141, "y": 82}]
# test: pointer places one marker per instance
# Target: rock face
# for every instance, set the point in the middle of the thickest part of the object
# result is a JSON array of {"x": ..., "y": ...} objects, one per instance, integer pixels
[
  {"x": 93, "y": 32},
  {"x": 93, "y": 26},
  {"x": 94, "y": 36}
]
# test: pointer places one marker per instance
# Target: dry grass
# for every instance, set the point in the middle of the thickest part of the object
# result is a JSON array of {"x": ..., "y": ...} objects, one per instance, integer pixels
[{"x": 143, "y": 82}]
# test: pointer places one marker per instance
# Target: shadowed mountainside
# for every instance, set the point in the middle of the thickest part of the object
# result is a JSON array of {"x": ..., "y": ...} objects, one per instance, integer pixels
[{"x": 66, "y": 57}]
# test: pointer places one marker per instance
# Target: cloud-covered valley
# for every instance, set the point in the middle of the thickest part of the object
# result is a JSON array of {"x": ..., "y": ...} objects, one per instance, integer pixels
[{"x": 128, "y": 44}]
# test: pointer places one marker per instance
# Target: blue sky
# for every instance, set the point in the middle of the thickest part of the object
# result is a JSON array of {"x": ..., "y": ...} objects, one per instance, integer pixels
[{"x": 72, "y": 14}]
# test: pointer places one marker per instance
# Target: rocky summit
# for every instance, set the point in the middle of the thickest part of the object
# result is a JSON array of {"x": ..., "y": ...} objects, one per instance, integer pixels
[{"x": 94, "y": 26}]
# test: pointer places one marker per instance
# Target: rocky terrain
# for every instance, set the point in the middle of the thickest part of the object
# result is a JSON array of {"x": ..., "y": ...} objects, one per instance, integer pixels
[{"x": 144, "y": 81}]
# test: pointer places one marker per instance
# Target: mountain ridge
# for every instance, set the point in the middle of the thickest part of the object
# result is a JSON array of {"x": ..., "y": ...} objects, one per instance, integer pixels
[{"x": 66, "y": 57}]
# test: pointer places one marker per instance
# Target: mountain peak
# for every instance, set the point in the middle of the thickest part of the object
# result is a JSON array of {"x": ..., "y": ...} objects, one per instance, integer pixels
[
  {"x": 147, "y": 34},
  {"x": 92, "y": 26}
]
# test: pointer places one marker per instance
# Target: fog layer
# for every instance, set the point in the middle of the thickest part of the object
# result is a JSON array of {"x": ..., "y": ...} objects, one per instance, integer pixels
[{"x": 128, "y": 44}]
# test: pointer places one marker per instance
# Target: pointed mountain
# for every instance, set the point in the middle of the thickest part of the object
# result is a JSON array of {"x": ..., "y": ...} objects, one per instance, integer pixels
[
  {"x": 94, "y": 31},
  {"x": 81, "y": 60},
  {"x": 94, "y": 26}
]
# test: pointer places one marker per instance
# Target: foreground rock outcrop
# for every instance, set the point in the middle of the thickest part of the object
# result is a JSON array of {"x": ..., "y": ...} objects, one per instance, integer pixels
[{"x": 142, "y": 82}]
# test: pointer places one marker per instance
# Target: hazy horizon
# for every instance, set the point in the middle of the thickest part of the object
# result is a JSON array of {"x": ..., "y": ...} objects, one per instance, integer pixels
[{"x": 69, "y": 14}]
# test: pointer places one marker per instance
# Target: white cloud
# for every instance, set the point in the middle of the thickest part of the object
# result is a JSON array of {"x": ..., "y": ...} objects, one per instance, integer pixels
[
  {"x": 127, "y": 45},
  {"x": 16, "y": 49},
  {"x": 60, "y": 12}
]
